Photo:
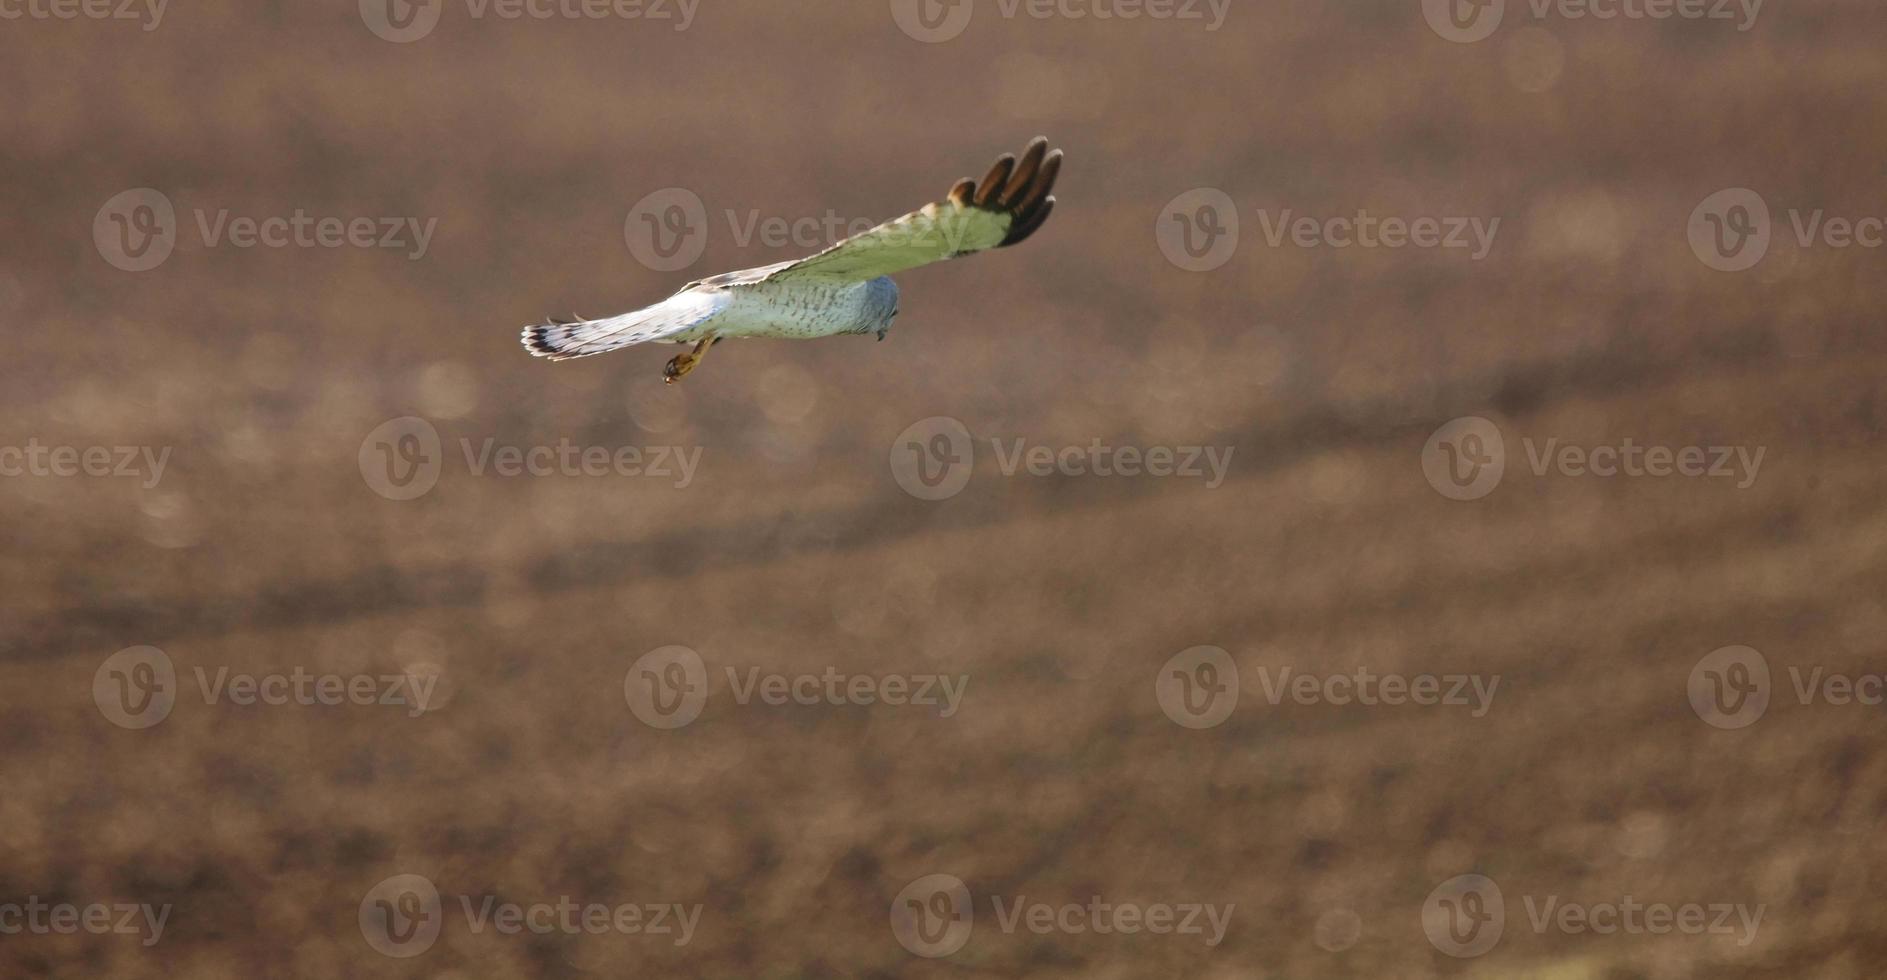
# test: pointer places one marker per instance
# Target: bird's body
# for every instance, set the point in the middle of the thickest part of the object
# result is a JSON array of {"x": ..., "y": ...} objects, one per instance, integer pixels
[
  {"x": 798, "y": 309},
  {"x": 846, "y": 289}
]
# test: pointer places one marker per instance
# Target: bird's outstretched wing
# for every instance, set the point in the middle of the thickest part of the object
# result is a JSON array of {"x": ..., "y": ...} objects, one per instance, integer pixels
[
  {"x": 1008, "y": 206},
  {"x": 561, "y": 340}
]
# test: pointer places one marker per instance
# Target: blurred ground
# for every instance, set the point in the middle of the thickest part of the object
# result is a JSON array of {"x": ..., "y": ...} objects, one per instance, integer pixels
[{"x": 263, "y": 549}]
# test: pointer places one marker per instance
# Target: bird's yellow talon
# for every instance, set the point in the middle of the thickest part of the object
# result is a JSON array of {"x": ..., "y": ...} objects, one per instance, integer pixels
[{"x": 679, "y": 365}]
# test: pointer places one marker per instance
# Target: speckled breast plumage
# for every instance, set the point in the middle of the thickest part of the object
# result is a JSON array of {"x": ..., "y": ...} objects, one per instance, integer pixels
[{"x": 803, "y": 309}]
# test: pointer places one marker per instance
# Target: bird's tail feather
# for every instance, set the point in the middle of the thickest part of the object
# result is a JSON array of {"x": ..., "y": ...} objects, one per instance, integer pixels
[{"x": 671, "y": 319}]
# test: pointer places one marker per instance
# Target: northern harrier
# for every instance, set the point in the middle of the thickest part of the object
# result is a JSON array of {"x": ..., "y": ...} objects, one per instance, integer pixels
[{"x": 846, "y": 289}]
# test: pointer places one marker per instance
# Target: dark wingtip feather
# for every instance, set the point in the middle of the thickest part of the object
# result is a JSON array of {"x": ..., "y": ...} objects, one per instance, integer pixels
[
  {"x": 1026, "y": 226},
  {"x": 1016, "y": 187},
  {"x": 1035, "y": 202},
  {"x": 1024, "y": 174},
  {"x": 995, "y": 181},
  {"x": 1044, "y": 183}
]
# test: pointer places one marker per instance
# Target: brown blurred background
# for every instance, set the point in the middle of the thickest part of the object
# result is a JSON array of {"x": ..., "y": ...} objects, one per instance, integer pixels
[{"x": 263, "y": 549}]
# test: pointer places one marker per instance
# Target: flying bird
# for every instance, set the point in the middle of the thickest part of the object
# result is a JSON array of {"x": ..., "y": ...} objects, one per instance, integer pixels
[{"x": 846, "y": 289}]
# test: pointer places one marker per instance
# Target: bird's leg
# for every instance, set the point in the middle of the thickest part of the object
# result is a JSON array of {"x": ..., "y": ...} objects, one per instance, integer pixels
[{"x": 679, "y": 365}]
